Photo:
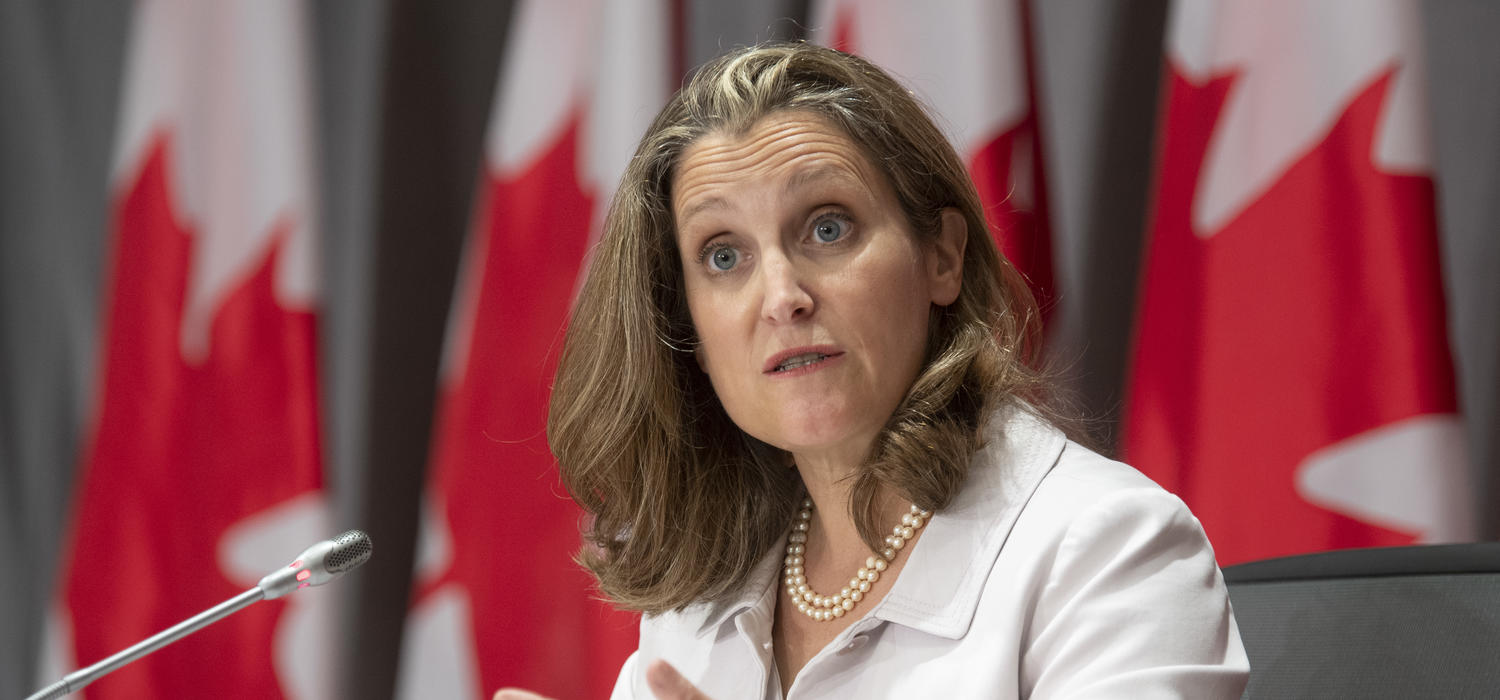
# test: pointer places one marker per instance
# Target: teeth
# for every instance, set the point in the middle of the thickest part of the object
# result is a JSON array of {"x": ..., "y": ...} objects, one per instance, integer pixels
[{"x": 800, "y": 361}]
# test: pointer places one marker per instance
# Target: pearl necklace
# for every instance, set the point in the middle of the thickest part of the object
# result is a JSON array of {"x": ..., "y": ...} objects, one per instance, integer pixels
[{"x": 829, "y": 607}]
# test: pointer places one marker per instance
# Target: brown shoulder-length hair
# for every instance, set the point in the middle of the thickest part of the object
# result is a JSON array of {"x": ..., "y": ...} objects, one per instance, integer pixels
[{"x": 683, "y": 502}]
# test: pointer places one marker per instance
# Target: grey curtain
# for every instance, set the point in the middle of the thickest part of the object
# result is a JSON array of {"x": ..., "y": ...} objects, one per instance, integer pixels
[{"x": 404, "y": 89}]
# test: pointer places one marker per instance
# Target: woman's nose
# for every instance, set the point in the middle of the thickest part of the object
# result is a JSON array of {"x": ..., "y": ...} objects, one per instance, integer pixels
[{"x": 785, "y": 294}]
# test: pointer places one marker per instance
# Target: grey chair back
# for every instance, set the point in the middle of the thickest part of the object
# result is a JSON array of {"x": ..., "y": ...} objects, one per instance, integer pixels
[{"x": 1394, "y": 622}]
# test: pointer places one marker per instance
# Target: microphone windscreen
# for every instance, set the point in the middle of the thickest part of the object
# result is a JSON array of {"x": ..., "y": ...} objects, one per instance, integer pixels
[{"x": 350, "y": 549}]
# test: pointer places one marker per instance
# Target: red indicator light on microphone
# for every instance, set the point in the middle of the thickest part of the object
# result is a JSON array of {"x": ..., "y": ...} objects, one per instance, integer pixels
[
  {"x": 295, "y": 564},
  {"x": 303, "y": 575}
]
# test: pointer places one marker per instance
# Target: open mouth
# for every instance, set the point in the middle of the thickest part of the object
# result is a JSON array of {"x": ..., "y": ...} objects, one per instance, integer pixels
[
  {"x": 806, "y": 359},
  {"x": 802, "y": 360}
]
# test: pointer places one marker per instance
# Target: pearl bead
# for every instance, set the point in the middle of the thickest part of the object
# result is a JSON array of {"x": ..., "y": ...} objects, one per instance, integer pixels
[{"x": 822, "y": 608}]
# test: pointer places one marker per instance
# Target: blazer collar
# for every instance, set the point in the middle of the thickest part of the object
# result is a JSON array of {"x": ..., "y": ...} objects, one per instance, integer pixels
[
  {"x": 758, "y": 593},
  {"x": 938, "y": 589}
]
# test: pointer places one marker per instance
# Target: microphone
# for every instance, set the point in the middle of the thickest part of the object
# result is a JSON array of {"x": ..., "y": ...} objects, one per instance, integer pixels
[
  {"x": 315, "y": 566},
  {"x": 318, "y": 564}
]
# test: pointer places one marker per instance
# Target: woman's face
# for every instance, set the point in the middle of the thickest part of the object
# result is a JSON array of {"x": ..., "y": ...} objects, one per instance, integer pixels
[{"x": 808, "y": 290}]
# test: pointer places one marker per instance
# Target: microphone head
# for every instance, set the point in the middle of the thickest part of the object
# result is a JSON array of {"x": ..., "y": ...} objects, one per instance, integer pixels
[
  {"x": 350, "y": 550},
  {"x": 318, "y": 564}
]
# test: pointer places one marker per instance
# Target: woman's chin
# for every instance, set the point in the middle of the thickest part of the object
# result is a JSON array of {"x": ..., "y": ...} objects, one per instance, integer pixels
[{"x": 825, "y": 440}]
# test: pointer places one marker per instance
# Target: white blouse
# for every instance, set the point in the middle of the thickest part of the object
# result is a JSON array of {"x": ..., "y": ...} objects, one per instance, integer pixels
[{"x": 1054, "y": 573}]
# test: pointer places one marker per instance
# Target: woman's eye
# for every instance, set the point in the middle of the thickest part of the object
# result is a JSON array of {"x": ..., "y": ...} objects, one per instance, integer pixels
[
  {"x": 723, "y": 258},
  {"x": 829, "y": 229}
]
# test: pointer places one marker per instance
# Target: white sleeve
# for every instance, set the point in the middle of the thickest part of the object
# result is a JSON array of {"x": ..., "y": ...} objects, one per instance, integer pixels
[
  {"x": 1134, "y": 606},
  {"x": 624, "y": 684}
]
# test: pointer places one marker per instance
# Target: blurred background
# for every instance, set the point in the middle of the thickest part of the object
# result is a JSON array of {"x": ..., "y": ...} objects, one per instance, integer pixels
[{"x": 418, "y": 166}]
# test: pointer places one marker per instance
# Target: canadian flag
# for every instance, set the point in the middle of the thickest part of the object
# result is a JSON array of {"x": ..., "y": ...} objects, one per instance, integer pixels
[
  {"x": 203, "y": 470},
  {"x": 498, "y": 600},
  {"x": 1291, "y": 378},
  {"x": 969, "y": 60}
]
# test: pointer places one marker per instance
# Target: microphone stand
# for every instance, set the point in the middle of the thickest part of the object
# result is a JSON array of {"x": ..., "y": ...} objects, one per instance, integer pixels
[
  {"x": 315, "y": 566},
  {"x": 75, "y": 681}
]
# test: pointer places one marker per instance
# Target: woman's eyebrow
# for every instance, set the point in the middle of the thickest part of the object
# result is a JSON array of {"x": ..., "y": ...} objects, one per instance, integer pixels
[
  {"x": 831, "y": 173},
  {"x": 701, "y": 206}
]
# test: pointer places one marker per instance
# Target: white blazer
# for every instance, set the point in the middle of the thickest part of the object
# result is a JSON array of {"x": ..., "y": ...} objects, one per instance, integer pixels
[{"x": 1055, "y": 573}]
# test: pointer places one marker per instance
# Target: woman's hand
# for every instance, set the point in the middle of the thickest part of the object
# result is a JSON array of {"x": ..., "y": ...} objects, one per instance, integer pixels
[
  {"x": 665, "y": 682},
  {"x": 517, "y": 694},
  {"x": 668, "y": 684}
]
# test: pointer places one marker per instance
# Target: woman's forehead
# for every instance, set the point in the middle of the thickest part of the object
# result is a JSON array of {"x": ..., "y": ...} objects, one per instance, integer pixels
[{"x": 792, "y": 146}]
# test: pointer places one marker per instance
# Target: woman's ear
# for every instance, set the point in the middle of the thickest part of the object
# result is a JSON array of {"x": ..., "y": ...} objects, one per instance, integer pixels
[{"x": 945, "y": 259}]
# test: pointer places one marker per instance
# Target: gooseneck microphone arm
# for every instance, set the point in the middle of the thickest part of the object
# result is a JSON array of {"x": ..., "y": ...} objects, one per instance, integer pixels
[
  {"x": 75, "y": 681},
  {"x": 318, "y": 564}
]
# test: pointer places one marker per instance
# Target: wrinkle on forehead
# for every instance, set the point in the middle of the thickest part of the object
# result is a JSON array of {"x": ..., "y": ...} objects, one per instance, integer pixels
[{"x": 808, "y": 143}]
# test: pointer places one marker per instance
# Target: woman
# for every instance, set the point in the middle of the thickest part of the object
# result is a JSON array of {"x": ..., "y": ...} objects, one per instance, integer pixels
[{"x": 797, "y": 398}]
